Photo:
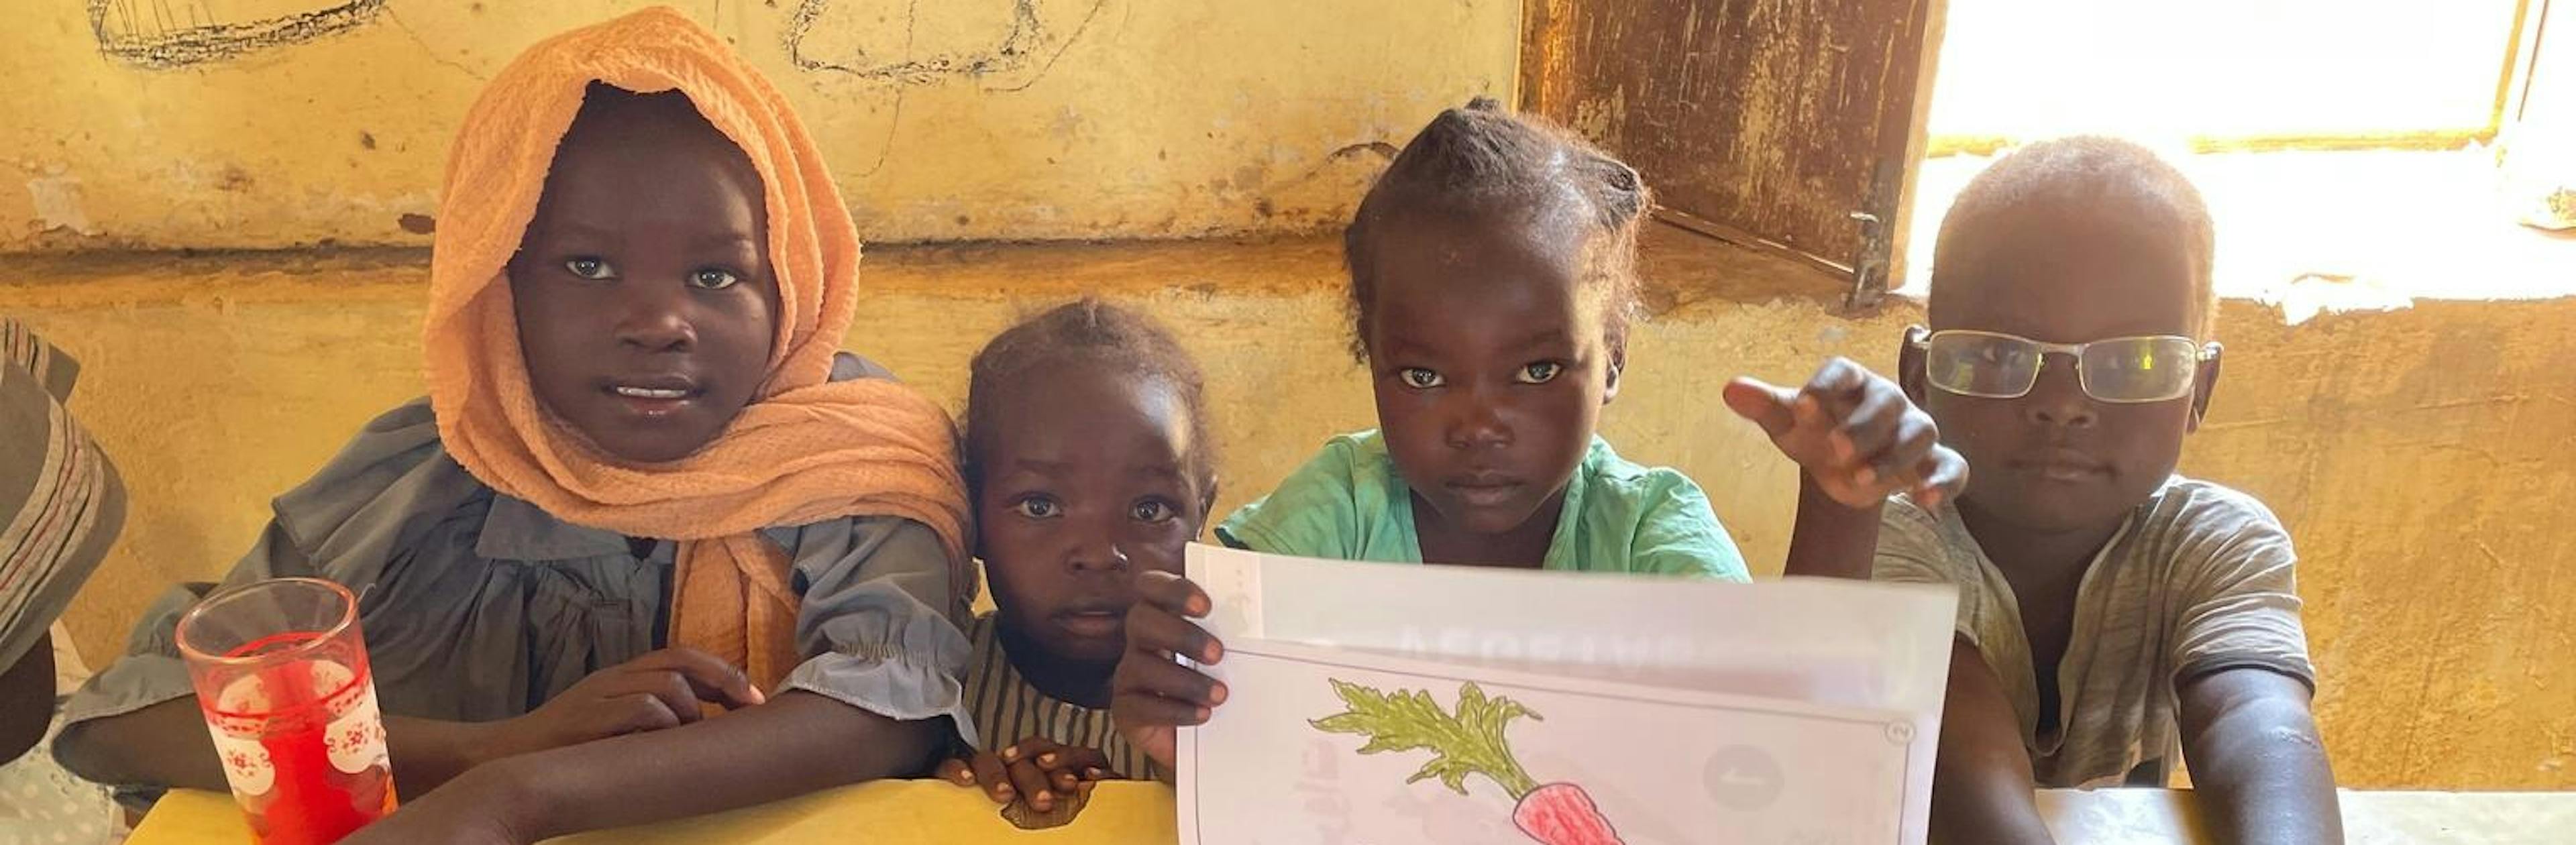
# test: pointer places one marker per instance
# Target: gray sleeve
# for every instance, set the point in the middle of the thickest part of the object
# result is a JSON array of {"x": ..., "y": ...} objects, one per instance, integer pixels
[
  {"x": 879, "y": 620},
  {"x": 2239, "y": 603},
  {"x": 1911, "y": 551},
  {"x": 151, "y": 672},
  {"x": 379, "y": 494}
]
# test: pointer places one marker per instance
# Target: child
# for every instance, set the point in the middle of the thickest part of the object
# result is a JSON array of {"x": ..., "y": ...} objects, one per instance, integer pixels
[
  {"x": 1492, "y": 279},
  {"x": 63, "y": 503},
  {"x": 634, "y": 489},
  {"x": 1087, "y": 452},
  {"x": 2102, "y": 598}
]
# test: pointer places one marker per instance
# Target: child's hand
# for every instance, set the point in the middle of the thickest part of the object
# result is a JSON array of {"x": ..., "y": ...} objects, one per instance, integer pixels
[
  {"x": 661, "y": 689},
  {"x": 1151, "y": 696},
  {"x": 1856, "y": 434},
  {"x": 1036, "y": 769}
]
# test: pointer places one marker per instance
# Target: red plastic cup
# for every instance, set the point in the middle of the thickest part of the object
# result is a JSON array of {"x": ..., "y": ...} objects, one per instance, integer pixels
[{"x": 281, "y": 675}]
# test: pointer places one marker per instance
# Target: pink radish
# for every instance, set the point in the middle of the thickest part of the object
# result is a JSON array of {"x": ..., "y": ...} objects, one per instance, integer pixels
[
  {"x": 1561, "y": 814},
  {"x": 1469, "y": 742}
]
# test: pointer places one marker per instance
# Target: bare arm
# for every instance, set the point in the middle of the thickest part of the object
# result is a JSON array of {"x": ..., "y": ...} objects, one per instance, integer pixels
[
  {"x": 166, "y": 745},
  {"x": 1830, "y": 539},
  {"x": 2256, "y": 761},
  {"x": 797, "y": 743},
  {"x": 26, "y": 699},
  {"x": 1982, "y": 789}
]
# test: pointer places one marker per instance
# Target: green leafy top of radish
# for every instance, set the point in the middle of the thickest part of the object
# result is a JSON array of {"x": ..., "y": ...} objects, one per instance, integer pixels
[{"x": 1469, "y": 742}]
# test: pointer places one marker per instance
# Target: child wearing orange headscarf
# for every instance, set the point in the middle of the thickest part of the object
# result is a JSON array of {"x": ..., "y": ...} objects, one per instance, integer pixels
[{"x": 644, "y": 488}]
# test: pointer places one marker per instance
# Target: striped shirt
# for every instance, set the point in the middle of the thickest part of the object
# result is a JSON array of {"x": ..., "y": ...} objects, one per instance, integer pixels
[
  {"x": 1007, "y": 708},
  {"x": 60, "y": 501},
  {"x": 2197, "y": 581}
]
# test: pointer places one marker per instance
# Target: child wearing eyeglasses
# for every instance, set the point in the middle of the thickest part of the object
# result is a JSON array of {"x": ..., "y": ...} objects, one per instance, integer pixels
[{"x": 2111, "y": 612}]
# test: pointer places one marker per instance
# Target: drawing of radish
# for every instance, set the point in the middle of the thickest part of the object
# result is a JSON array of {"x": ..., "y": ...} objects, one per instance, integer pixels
[{"x": 1469, "y": 742}]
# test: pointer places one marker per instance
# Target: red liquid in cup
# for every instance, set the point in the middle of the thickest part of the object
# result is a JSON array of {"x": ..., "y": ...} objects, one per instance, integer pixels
[{"x": 303, "y": 714}]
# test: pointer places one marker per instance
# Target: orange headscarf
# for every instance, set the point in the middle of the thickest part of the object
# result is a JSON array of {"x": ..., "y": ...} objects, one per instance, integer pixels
[{"x": 805, "y": 450}]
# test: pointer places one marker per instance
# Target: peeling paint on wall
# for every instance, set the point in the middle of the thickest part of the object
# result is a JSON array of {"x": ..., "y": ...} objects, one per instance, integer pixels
[{"x": 58, "y": 204}]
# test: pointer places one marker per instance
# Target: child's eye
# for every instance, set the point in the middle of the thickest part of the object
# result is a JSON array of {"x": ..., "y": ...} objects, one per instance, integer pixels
[
  {"x": 1037, "y": 507},
  {"x": 714, "y": 278},
  {"x": 1539, "y": 372},
  {"x": 1153, "y": 510},
  {"x": 591, "y": 268},
  {"x": 1419, "y": 378}
]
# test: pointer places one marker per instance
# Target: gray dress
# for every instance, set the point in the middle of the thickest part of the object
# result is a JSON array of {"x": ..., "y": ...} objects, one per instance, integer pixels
[{"x": 477, "y": 606}]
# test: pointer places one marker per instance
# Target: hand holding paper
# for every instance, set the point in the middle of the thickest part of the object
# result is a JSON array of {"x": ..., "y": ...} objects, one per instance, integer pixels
[{"x": 1151, "y": 695}]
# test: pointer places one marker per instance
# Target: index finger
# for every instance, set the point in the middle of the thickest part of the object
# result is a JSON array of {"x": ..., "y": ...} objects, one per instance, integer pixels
[
  {"x": 712, "y": 679},
  {"x": 1838, "y": 382},
  {"x": 1173, "y": 593}
]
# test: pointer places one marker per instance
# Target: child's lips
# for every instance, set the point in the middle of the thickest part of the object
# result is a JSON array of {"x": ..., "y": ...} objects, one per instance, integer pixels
[
  {"x": 2063, "y": 465},
  {"x": 1091, "y": 623},
  {"x": 1484, "y": 490},
  {"x": 655, "y": 397}
]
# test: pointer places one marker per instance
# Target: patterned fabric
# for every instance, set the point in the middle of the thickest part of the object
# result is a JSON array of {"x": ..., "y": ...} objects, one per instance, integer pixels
[
  {"x": 2197, "y": 581},
  {"x": 63, "y": 501},
  {"x": 40, "y": 804},
  {"x": 1008, "y": 709}
]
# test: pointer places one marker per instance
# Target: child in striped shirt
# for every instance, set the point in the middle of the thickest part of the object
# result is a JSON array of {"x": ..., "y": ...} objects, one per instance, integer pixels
[{"x": 1087, "y": 459}]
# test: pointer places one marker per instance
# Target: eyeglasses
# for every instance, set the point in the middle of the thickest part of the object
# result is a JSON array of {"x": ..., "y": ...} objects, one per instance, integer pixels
[{"x": 1993, "y": 365}]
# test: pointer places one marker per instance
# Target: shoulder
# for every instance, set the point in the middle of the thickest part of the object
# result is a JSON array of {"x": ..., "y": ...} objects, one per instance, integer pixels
[
  {"x": 2193, "y": 505},
  {"x": 1605, "y": 470},
  {"x": 860, "y": 540},
  {"x": 393, "y": 473},
  {"x": 1915, "y": 544},
  {"x": 2200, "y": 528},
  {"x": 1323, "y": 495},
  {"x": 1675, "y": 530}
]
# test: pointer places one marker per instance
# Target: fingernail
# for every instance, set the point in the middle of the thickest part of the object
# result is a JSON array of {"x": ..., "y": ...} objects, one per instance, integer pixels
[
  {"x": 1004, "y": 790},
  {"x": 1216, "y": 694},
  {"x": 1011, "y": 753},
  {"x": 1092, "y": 772},
  {"x": 1204, "y": 713},
  {"x": 1208, "y": 655},
  {"x": 1866, "y": 476},
  {"x": 1047, "y": 759},
  {"x": 1042, "y": 800}
]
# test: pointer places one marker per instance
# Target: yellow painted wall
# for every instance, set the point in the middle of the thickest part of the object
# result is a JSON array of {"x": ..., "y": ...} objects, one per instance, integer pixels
[
  {"x": 956, "y": 119},
  {"x": 2418, "y": 456}
]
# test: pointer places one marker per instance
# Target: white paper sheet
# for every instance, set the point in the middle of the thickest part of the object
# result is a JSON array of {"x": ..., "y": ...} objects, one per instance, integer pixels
[{"x": 1666, "y": 701}]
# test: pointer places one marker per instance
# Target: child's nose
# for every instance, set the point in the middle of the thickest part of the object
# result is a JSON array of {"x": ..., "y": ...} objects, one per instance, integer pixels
[
  {"x": 656, "y": 318},
  {"x": 2057, "y": 398},
  {"x": 1476, "y": 422},
  {"x": 1097, "y": 554}
]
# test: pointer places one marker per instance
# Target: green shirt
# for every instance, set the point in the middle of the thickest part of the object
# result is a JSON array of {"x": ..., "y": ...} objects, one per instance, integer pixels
[{"x": 1349, "y": 503}]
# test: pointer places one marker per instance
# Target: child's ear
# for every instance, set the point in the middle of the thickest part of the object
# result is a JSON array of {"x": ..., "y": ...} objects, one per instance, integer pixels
[
  {"x": 1909, "y": 363},
  {"x": 1618, "y": 363},
  {"x": 2204, "y": 382}
]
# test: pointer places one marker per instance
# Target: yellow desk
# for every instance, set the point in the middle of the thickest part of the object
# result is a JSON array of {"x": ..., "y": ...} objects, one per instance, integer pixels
[
  {"x": 902, "y": 812},
  {"x": 899, "y": 812}
]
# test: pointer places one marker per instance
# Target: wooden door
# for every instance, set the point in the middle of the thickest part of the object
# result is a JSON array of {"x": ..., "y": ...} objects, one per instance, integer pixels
[{"x": 1786, "y": 125}]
